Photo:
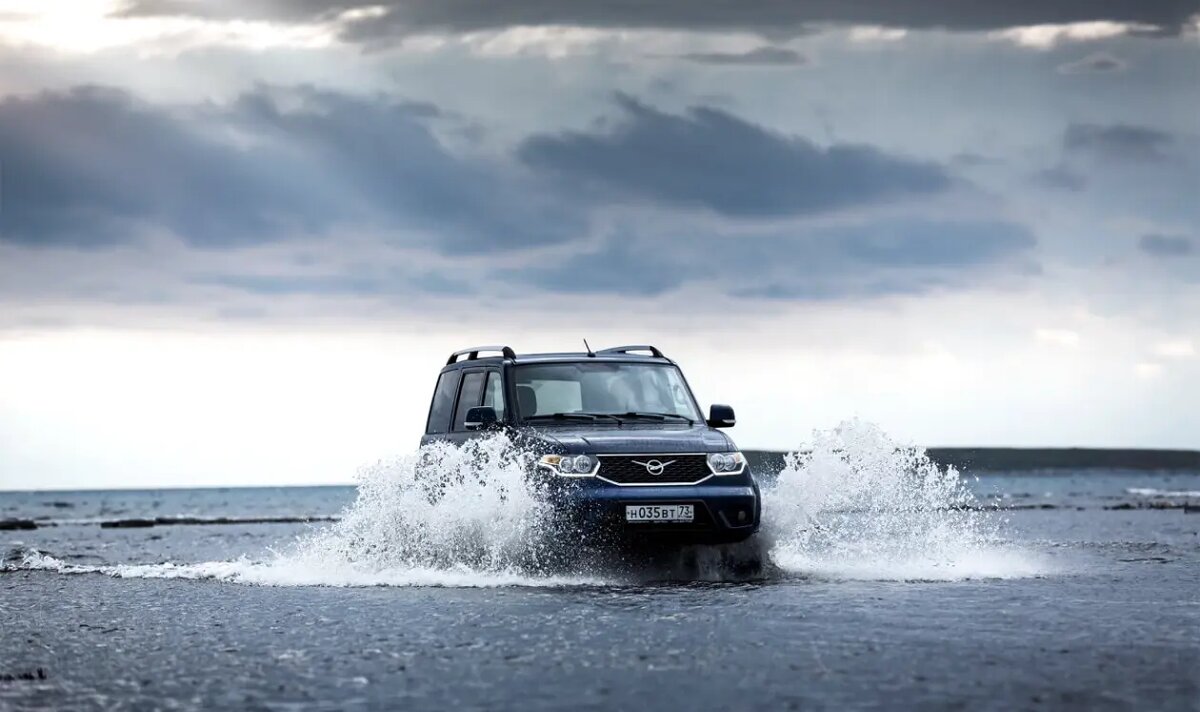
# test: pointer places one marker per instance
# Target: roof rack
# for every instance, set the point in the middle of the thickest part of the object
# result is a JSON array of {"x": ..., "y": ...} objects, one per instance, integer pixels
[
  {"x": 473, "y": 353},
  {"x": 633, "y": 347}
]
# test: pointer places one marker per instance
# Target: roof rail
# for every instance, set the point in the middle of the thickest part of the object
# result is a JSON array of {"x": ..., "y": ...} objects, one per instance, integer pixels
[
  {"x": 473, "y": 353},
  {"x": 633, "y": 347}
]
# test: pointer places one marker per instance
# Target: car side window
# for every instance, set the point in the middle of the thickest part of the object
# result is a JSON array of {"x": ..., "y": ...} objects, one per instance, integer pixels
[
  {"x": 493, "y": 394},
  {"x": 469, "y": 397},
  {"x": 443, "y": 403}
]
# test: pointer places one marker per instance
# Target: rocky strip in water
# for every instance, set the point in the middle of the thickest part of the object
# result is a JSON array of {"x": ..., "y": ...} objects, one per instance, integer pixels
[
  {"x": 1187, "y": 507},
  {"x": 12, "y": 525},
  {"x": 33, "y": 675},
  {"x": 146, "y": 522},
  {"x": 1029, "y": 460},
  {"x": 175, "y": 521}
]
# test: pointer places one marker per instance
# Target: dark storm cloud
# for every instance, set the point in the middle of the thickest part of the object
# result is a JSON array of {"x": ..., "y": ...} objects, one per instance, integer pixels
[
  {"x": 890, "y": 259},
  {"x": 1120, "y": 142},
  {"x": 285, "y": 10},
  {"x": 1098, "y": 63},
  {"x": 617, "y": 268},
  {"x": 392, "y": 282},
  {"x": 86, "y": 167},
  {"x": 93, "y": 166},
  {"x": 1062, "y": 178},
  {"x": 905, "y": 256},
  {"x": 970, "y": 159},
  {"x": 920, "y": 243},
  {"x": 712, "y": 159},
  {"x": 1166, "y": 246},
  {"x": 761, "y": 56},
  {"x": 768, "y": 17}
]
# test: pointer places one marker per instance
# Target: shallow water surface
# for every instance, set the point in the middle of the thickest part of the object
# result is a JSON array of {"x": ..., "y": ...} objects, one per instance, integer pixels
[{"x": 877, "y": 581}]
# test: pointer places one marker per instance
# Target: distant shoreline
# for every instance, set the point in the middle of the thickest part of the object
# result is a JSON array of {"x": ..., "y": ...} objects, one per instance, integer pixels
[
  {"x": 965, "y": 459},
  {"x": 1018, "y": 459}
]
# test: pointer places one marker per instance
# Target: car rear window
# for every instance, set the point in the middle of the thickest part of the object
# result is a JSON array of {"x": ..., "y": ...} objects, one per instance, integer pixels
[{"x": 443, "y": 403}]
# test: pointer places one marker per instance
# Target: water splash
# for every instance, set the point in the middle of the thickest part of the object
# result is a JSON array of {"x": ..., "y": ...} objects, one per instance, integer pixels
[
  {"x": 853, "y": 504},
  {"x": 446, "y": 515},
  {"x": 856, "y": 504},
  {"x": 445, "y": 507}
]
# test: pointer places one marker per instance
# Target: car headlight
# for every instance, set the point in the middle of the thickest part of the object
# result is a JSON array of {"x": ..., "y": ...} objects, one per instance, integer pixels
[
  {"x": 726, "y": 463},
  {"x": 570, "y": 465}
]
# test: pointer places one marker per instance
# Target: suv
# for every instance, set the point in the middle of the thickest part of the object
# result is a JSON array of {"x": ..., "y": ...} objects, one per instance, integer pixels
[{"x": 616, "y": 434}]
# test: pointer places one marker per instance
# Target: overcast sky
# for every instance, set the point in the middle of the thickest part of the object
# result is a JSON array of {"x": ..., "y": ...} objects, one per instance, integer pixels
[{"x": 238, "y": 239}]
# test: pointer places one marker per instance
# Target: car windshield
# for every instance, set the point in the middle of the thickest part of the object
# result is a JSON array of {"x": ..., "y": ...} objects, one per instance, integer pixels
[{"x": 603, "y": 389}]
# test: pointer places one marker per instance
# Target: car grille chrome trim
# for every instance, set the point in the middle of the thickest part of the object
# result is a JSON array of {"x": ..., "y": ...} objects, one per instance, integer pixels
[{"x": 679, "y": 469}]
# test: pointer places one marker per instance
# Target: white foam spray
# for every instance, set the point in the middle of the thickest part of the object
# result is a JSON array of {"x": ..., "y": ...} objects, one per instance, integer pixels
[
  {"x": 851, "y": 505},
  {"x": 856, "y": 504},
  {"x": 445, "y": 507}
]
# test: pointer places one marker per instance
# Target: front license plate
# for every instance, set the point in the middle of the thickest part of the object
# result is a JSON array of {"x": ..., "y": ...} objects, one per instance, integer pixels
[{"x": 659, "y": 512}]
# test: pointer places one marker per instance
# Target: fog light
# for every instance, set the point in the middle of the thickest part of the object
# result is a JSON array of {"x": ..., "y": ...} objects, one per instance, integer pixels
[{"x": 741, "y": 515}]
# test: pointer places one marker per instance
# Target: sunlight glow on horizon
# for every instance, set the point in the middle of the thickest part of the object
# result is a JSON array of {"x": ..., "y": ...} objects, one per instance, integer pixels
[
  {"x": 88, "y": 26},
  {"x": 104, "y": 408}
]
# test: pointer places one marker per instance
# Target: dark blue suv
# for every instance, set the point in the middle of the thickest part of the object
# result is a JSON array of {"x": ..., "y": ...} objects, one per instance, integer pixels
[{"x": 616, "y": 435}]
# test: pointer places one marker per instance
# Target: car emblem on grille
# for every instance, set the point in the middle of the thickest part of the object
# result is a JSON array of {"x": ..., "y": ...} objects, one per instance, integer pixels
[{"x": 654, "y": 467}]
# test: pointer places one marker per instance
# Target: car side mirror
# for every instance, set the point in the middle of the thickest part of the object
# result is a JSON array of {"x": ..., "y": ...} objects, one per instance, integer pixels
[
  {"x": 721, "y": 416},
  {"x": 481, "y": 417}
]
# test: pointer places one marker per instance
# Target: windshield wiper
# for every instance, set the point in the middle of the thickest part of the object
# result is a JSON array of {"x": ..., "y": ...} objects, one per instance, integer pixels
[
  {"x": 654, "y": 416},
  {"x": 560, "y": 416},
  {"x": 615, "y": 418}
]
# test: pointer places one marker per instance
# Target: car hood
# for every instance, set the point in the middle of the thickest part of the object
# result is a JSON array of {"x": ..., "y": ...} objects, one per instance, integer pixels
[{"x": 634, "y": 439}]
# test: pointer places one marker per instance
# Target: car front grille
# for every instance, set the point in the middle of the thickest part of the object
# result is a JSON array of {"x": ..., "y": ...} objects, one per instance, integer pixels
[{"x": 632, "y": 469}]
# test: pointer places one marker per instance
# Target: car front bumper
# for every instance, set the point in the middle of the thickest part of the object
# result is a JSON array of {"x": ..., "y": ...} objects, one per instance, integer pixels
[{"x": 725, "y": 511}]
